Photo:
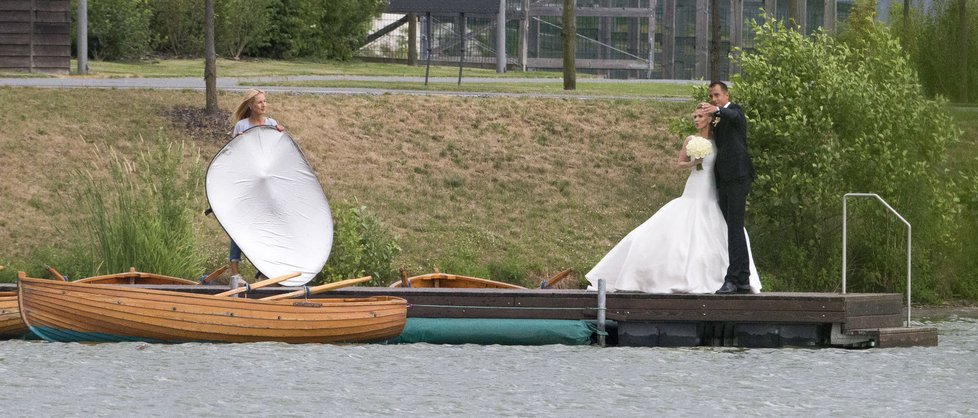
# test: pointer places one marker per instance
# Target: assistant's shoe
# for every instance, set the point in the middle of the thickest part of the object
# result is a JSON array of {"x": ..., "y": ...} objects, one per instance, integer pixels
[{"x": 728, "y": 288}]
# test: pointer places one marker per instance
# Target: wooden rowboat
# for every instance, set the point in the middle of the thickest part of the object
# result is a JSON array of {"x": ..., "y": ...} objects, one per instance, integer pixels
[
  {"x": 77, "y": 312},
  {"x": 456, "y": 281},
  {"x": 137, "y": 277},
  {"x": 453, "y": 281},
  {"x": 11, "y": 326}
]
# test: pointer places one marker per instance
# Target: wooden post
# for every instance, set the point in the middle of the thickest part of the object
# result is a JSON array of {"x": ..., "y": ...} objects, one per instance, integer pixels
[
  {"x": 668, "y": 39},
  {"x": 831, "y": 16},
  {"x": 702, "y": 39},
  {"x": 412, "y": 58},
  {"x": 797, "y": 15},
  {"x": 570, "y": 45},
  {"x": 82, "y": 37},
  {"x": 771, "y": 8},
  {"x": 736, "y": 32}
]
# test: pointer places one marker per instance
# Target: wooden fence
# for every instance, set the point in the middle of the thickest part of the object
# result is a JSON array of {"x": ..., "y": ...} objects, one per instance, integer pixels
[{"x": 34, "y": 36}]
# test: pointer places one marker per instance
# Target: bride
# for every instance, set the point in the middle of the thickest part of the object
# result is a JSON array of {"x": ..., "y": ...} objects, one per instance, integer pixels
[{"x": 682, "y": 248}]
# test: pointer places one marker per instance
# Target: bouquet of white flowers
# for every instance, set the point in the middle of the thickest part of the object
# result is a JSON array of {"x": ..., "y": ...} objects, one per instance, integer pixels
[{"x": 698, "y": 148}]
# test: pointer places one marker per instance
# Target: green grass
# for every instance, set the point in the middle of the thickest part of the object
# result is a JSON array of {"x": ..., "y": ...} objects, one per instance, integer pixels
[
  {"x": 583, "y": 88},
  {"x": 260, "y": 68}
]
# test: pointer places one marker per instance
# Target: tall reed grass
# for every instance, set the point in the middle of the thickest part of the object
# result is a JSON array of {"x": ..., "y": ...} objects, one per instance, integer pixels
[{"x": 140, "y": 215}]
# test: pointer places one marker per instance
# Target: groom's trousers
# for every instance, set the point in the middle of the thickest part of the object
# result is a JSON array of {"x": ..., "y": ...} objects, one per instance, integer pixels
[{"x": 732, "y": 197}]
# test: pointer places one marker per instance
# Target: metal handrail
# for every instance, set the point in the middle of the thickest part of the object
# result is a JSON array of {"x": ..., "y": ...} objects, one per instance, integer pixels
[{"x": 844, "y": 202}]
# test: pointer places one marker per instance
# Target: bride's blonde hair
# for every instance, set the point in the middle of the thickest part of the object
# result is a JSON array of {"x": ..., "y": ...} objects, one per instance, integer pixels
[{"x": 244, "y": 109}]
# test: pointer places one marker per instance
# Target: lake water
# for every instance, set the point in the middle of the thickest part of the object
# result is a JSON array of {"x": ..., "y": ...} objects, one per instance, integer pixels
[{"x": 129, "y": 379}]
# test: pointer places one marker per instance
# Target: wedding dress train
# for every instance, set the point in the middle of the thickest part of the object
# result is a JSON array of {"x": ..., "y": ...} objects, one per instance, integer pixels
[{"x": 682, "y": 248}]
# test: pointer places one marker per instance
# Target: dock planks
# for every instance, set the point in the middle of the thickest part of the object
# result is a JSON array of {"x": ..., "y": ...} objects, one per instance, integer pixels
[{"x": 762, "y": 320}]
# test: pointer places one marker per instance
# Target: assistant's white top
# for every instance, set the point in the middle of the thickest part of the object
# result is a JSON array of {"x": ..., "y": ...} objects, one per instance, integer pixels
[
  {"x": 245, "y": 124},
  {"x": 268, "y": 199}
]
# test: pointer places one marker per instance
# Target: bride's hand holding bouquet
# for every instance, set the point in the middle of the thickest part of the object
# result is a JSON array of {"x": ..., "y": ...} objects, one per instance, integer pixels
[{"x": 697, "y": 149}]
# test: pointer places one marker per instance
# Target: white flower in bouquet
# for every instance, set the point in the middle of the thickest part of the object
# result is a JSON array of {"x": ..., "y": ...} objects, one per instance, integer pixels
[{"x": 698, "y": 148}]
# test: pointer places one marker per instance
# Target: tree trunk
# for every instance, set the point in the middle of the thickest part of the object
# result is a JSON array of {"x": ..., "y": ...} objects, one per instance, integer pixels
[
  {"x": 570, "y": 45},
  {"x": 963, "y": 46},
  {"x": 905, "y": 36},
  {"x": 210, "y": 59},
  {"x": 714, "y": 40}
]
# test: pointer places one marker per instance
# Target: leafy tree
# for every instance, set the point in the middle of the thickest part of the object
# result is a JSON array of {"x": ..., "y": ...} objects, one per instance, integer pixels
[
  {"x": 179, "y": 25},
  {"x": 313, "y": 28},
  {"x": 118, "y": 29},
  {"x": 835, "y": 115}
]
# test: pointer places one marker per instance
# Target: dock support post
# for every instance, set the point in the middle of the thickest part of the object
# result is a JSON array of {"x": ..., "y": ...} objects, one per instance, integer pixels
[{"x": 602, "y": 307}]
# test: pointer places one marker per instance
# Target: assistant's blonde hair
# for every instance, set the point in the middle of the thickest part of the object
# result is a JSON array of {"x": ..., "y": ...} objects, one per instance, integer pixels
[{"x": 244, "y": 109}]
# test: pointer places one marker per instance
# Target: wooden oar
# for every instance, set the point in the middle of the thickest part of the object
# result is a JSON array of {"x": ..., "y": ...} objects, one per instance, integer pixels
[
  {"x": 319, "y": 289},
  {"x": 215, "y": 274},
  {"x": 556, "y": 279},
  {"x": 55, "y": 274},
  {"x": 259, "y": 285}
]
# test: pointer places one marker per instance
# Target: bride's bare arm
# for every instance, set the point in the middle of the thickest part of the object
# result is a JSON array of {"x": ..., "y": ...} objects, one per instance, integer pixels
[{"x": 683, "y": 161}]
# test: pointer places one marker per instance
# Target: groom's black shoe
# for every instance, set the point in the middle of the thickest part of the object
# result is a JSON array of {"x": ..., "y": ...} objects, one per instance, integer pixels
[{"x": 728, "y": 288}]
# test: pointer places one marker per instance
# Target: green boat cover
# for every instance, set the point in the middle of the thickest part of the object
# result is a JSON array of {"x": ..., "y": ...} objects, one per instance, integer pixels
[{"x": 496, "y": 331}]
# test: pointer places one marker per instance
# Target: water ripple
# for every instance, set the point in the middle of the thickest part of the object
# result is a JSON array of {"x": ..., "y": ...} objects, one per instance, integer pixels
[{"x": 423, "y": 379}]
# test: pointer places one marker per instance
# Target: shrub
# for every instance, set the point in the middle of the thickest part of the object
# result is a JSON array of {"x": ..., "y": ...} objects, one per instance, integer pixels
[
  {"x": 361, "y": 246},
  {"x": 239, "y": 31},
  {"x": 312, "y": 28},
  {"x": 830, "y": 116}
]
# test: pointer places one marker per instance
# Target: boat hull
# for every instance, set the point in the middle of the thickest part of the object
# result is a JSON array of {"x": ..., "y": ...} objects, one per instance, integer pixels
[
  {"x": 79, "y": 312},
  {"x": 11, "y": 326}
]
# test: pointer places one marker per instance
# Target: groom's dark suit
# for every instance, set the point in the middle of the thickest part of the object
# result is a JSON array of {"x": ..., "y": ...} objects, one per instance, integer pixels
[{"x": 734, "y": 174}]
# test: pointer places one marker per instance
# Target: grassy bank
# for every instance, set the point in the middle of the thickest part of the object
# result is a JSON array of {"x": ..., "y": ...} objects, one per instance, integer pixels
[{"x": 513, "y": 189}]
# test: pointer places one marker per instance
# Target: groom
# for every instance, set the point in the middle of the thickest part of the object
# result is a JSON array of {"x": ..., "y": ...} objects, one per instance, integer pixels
[{"x": 734, "y": 174}]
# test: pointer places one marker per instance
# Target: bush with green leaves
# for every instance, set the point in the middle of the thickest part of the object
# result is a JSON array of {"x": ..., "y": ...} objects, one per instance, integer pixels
[
  {"x": 119, "y": 30},
  {"x": 179, "y": 26},
  {"x": 361, "y": 246},
  {"x": 313, "y": 28},
  {"x": 830, "y": 116},
  {"x": 244, "y": 25},
  {"x": 142, "y": 216}
]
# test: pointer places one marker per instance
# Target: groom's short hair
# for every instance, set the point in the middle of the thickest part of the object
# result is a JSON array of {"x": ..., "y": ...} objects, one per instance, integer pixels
[{"x": 723, "y": 86}]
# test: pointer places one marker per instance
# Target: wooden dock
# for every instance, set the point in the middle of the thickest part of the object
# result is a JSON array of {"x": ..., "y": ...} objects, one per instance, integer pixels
[
  {"x": 763, "y": 320},
  {"x": 773, "y": 319}
]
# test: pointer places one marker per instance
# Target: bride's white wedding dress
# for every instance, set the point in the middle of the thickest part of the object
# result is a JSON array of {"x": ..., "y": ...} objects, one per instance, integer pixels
[{"x": 682, "y": 248}]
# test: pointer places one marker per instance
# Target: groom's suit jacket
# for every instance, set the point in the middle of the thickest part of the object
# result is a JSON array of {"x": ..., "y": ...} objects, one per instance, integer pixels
[{"x": 730, "y": 134}]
